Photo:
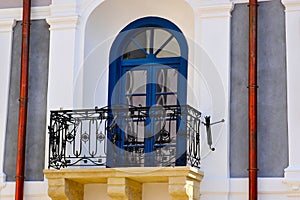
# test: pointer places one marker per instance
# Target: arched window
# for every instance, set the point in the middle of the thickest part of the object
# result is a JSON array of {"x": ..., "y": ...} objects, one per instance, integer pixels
[
  {"x": 148, "y": 67},
  {"x": 150, "y": 57}
]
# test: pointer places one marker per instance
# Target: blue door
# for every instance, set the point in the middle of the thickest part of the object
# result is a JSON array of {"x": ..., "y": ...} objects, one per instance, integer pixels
[{"x": 148, "y": 69}]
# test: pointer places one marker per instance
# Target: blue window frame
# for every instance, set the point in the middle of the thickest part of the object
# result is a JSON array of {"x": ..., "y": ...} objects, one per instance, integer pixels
[{"x": 148, "y": 67}]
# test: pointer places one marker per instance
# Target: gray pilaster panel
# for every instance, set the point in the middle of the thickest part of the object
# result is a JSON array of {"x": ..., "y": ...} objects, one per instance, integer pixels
[
  {"x": 272, "y": 112},
  {"x": 272, "y": 96},
  {"x": 36, "y": 124},
  {"x": 238, "y": 96}
]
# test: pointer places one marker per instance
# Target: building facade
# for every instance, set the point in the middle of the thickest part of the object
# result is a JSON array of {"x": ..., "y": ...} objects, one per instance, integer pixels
[{"x": 81, "y": 50}]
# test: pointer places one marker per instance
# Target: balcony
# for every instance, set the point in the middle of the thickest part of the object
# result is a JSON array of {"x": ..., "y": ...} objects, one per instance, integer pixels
[
  {"x": 123, "y": 150},
  {"x": 125, "y": 137}
]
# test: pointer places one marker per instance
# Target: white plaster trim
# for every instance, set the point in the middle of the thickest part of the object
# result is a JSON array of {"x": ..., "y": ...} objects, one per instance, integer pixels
[
  {"x": 6, "y": 25},
  {"x": 62, "y": 2},
  {"x": 6, "y": 30},
  {"x": 238, "y": 187},
  {"x": 2, "y": 180},
  {"x": 63, "y": 22},
  {"x": 88, "y": 6},
  {"x": 292, "y": 173},
  {"x": 32, "y": 190},
  {"x": 292, "y": 169},
  {"x": 293, "y": 187},
  {"x": 16, "y": 13},
  {"x": 63, "y": 8},
  {"x": 211, "y": 19},
  {"x": 63, "y": 14},
  {"x": 213, "y": 10},
  {"x": 291, "y": 5},
  {"x": 292, "y": 180},
  {"x": 215, "y": 186}
]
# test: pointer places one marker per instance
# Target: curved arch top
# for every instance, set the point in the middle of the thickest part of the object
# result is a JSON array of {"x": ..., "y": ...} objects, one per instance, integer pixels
[
  {"x": 148, "y": 54},
  {"x": 155, "y": 22},
  {"x": 88, "y": 7},
  {"x": 152, "y": 22}
]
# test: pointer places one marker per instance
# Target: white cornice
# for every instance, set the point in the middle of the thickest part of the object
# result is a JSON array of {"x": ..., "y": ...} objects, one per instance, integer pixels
[
  {"x": 63, "y": 7},
  {"x": 63, "y": 14},
  {"x": 63, "y": 22},
  {"x": 6, "y": 25},
  {"x": 57, "y": 2},
  {"x": 291, "y": 5},
  {"x": 16, "y": 13},
  {"x": 215, "y": 10}
]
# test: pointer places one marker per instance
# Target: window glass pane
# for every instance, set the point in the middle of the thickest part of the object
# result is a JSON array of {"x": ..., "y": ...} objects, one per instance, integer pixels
[
  {"x": 166, "y": 99},
  {"x": 165, "y": 45},
  {"x": 136, "y": 100},
  {"x": 136, "y": 82},
  {"x": 166, "y": 80},
  {"x": 171, "y": 49},
  {"x": 162, "y": 43},
  {"x": 137, "y": 46}
]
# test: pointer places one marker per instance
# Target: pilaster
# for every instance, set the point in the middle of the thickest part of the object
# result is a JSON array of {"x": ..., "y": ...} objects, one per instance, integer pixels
[
  {"x": 63, "y": 21},
  {"x": 212, "y": 26},
  {"x": 292, "y": 172},
  {"x": 6, "y": 34}
]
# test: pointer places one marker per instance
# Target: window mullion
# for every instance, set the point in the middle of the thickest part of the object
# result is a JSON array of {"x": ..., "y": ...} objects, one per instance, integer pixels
[{"x": 151, "y": 40}]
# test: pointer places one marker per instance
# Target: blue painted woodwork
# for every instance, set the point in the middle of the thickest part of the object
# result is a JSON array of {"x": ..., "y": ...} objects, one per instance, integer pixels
[{"x": 150, "y": 63}]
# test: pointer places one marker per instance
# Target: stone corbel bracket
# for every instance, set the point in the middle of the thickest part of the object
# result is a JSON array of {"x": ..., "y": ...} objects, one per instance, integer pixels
[{"x": 124, "y": 183}]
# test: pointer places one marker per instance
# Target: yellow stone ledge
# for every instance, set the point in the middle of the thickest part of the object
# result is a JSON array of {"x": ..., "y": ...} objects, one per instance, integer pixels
[{"x": 124, "y": 183}]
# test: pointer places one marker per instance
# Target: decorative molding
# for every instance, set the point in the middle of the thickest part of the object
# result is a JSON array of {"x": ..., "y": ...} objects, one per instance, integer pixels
[
  {"x": 16, "y": 13},
  {"x": 63, "y": 7},
  {"x": 291, "y": 5},
  {"x": 215, "y": 10},
  {"x": 7, "y": 25},
  {"x": 63, "y": 22},
  {"x": 63, "y": 15}
]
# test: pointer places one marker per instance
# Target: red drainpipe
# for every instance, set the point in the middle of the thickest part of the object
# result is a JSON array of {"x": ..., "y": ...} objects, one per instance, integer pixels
[
  {"x": 23, "y": 101},
  {"x": 252, "y": 87}
]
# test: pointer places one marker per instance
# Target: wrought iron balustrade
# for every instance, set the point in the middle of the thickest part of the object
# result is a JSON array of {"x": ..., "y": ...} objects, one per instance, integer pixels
[{"x": 124, "y": 137}]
